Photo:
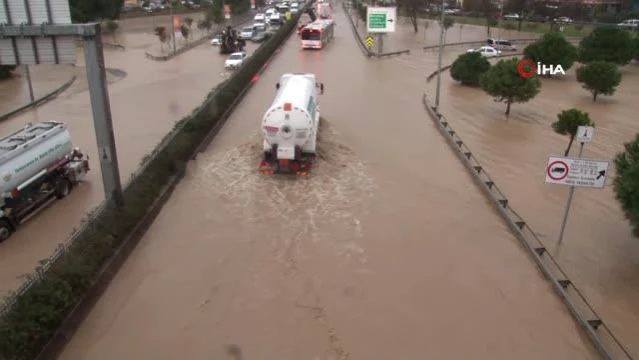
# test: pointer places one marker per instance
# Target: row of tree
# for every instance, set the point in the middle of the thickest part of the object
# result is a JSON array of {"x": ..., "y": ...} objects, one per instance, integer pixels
[{"x": 600, "y": 53}]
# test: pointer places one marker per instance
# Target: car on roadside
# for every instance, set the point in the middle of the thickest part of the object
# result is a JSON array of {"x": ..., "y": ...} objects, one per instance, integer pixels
[
  {"x": 511, "y": 17},
  {"x": 217, "y": 40},
  {"x": 235, "y": 60},
  {"x": 501, "y": 45},
  {"x": 563, "y": 20},
  {"x": 486, "y": 51},
  {"x": 247, "y": 32},
  {"x": 629, "y": 24}
]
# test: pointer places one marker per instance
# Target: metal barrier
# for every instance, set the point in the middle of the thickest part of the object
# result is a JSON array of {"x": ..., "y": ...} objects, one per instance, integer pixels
[
  {"x": 601, "y": 336},
  {"x": 37, "y": 102}
]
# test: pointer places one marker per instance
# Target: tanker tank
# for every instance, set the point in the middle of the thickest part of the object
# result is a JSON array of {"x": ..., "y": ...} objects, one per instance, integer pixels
[
  {"x": 290, "y": 125},
  {"x": 37, "y": 164}
]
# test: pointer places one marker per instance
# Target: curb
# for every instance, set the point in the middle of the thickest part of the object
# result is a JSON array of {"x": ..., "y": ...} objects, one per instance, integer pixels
[
  {"x": 360, "y": 42},
  {"x": 192, "y": 45},
  {"x": 41, "y": 101}
]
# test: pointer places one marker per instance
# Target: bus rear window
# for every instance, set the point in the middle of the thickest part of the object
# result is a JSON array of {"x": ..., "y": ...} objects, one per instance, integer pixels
[{"x": 311, "y": 35}]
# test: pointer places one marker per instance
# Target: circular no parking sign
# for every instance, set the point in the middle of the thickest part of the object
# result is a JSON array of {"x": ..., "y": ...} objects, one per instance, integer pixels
[{"x": 557, "y": 170}]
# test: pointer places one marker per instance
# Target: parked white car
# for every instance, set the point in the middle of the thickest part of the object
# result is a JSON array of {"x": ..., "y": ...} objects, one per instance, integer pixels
[
  {"x": 216, "y": 41},
  {"x": 486, "y": 51},
  {"x": 629, "y": 24},
  {"x": 235, "y": 60}
]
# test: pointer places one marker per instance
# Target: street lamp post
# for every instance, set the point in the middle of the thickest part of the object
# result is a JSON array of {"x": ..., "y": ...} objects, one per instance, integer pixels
[
  {"x": 172, "y": 24},
  {"x": 439, "y": 58}
]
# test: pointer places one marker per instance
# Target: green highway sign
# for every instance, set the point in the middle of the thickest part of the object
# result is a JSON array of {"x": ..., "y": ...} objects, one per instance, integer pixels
[
  {"x": 377, "y": 21},
  {"x": 381, "y": 19}
]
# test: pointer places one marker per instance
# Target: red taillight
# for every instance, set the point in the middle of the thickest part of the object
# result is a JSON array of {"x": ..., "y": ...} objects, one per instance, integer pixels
[{"x": 15, "y": 193}]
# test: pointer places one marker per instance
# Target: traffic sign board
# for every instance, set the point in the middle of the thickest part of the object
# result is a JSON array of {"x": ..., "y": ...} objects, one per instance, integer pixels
[
  {"x": 584, "y": 134},
  {"x": 381, "y": 19},
  {"x": 577, "y": 172},
  {"x": 370, "y": 42}
]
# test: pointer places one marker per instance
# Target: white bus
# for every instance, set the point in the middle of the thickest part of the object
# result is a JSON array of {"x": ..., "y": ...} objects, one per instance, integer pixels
[{"x": 317, "y": 34}]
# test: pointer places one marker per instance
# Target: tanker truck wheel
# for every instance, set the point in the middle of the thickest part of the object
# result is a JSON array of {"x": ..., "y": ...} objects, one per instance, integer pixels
[
  {"x": 62, "y": 187},
  {"x": 5, "y": 230}
]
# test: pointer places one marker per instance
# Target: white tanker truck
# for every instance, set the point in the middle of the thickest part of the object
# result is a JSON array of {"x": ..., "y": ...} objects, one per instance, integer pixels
[
  {"x": 37, "y": 165},
  {"x": 290, "y": 125}
]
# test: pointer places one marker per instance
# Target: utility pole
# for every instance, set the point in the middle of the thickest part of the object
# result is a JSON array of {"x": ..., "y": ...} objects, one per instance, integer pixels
[
  {"x": 439, "y": 57},
  {"x": 172, "y": 24}
]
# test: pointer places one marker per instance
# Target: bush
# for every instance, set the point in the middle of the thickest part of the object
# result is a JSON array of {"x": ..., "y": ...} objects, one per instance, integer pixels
[
  {"x": 626, "y": 184},
  {"x": 112, "y": 26},
  {"x": 6, "y": 70},
  {"x": 468, "y": 68},
  {"x": 37, "y": 313}
]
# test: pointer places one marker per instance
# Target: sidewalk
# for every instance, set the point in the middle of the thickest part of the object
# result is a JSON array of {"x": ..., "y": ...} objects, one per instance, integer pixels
[{"x": 14, "y": 92}]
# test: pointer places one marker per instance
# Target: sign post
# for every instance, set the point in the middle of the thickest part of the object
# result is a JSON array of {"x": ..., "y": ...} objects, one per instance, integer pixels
[
  {"x": 576, "y": 172},
  {"x": 380, "y": 20},
  {"x": 34, "y": 32}
]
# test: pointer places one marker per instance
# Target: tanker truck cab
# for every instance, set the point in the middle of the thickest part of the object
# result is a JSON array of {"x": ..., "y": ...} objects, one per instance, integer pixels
[
  {"x": 290, "y": 125},
  {"x": 38, "y": 164}
]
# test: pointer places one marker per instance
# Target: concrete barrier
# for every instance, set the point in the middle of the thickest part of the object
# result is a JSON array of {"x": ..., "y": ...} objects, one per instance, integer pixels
[
  {"x": 40, "y": 101},
  {"x": 599, "y": 334}
]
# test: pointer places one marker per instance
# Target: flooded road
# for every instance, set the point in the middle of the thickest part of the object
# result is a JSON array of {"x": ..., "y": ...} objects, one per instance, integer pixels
[
  {"x": 147, "y": 98},
  {"x": 387, "y": 251},
  {"x": 598, "y": 253}
]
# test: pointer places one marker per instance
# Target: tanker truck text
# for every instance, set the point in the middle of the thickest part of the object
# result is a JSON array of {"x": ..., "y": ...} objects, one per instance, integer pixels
[{"x": 41, "y": 156}]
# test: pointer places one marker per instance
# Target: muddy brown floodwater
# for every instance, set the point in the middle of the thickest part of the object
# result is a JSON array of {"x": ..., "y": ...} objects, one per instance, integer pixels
[
  {"x": 147, "y": 98},
  {"x": 387, "y": 251},
  {"x": 598, "y": 253}
]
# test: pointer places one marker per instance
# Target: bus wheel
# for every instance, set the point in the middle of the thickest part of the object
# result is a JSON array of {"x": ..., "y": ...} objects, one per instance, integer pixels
[
  {"x": 5, "y": 230},
  {"x": 62, "y": 187}
]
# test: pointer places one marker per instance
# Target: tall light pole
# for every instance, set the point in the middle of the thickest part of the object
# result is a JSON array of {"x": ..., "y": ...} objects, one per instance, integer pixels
[
  {"x": 439, "y": 58},
  {"x": 172, "y": 24}
]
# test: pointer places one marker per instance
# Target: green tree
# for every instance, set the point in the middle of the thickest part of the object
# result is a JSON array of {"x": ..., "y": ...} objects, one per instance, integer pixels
[
  {"x": 491, "y": 22},
  {"x": 112, "y": 26},
  {"x": 568, "y": 121},
  {"x": 6, "y": 70},
  {"x": 83, "y": 11},
  {"x": 184, "y": 30},
  {"x": 468, "y": 68},
  {"x": 626, "y": 183},
  {"x": 216, "y": 13},
  {"x": 519, "y": 7},
  {"x": 503, "y": 82},
  {"x": 606, "y": 44},
  {"x": 160, "y": 32},
  {"x": 636, "y": 48},
  {"x": 411, "y": 8},
  {"x": 554, "y": 49},
  {"x": 599, "y": 77},
  {"x": 204, "y": 25}
]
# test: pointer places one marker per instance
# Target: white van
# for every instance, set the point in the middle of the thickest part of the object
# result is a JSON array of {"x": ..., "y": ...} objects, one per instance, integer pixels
[{"x": 295, "y": 8}]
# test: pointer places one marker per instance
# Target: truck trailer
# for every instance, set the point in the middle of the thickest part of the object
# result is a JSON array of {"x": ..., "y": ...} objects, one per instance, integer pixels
[
  {"x": 290, "y": 125},
  {"x": 38, "y": 164}
]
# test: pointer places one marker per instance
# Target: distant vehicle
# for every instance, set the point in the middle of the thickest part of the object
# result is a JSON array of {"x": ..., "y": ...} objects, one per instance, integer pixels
[
  {"x": 629, "y": 24},
  {"x": 275, "y": 19},
  {"x": 259, "y": 18},
  {"x": 38, "y": 164},
  {"x": 486, "y": 51},
  {"x": 295, "y": 8},
  {"x": 268, "y": 13},
  {"x": 511, "y": 17},
  {"x": 452, "y": 11},
  {"x": 247, "y": 32},
  {"x": 317, "y": 34},
  {"x": 260, "y": 36},
  {"x": 502, "y": 45},
  {"x": 282, "y": 9},
  {"x": 217, "y": 40},
  {"x": 563, "y": 20},
  {"x": 235, "y": 60},
  {"x": 324, "y": 10},
  {"x": 537, "y": 18}
]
